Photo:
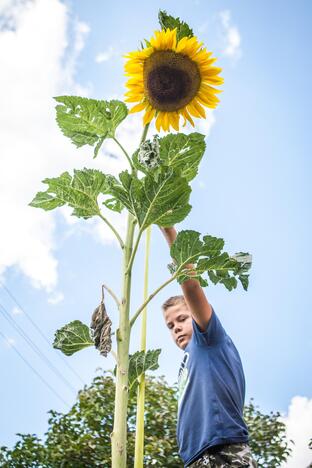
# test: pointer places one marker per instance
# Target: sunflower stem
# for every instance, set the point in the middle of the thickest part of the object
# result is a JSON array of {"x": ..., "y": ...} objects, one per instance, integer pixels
[
  {"x": 119, "y": 434},
  {"x": 122, "y": 245},
  {"x": 150, "y": 297},
  {"x": 134, "y": 250},
  {"x": 139, "y": 438},
  {"x": 125, "y": 152},
  {"x": 144, "y": 133}
]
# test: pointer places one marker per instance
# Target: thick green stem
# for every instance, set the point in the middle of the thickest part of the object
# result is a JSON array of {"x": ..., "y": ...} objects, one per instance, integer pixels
[
  {"x": 139, "y": 438},
  {"x": 119, "y": 434}
]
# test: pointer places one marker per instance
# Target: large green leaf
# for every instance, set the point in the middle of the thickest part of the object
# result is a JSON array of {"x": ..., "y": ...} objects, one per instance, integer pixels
[
  {"x": 161, "y": 200},
  {"x": 167, "y": 21},
  {"x": 73, "y": 337},
  {"x": 89, "y": 121},
  {"x": 139, "y": 363},
  {"x": 183, "y": 152},
  {"x": 80, "y": 192},
  {"x": 206, "y": 256},
  {"x": 179, "y": 151}
]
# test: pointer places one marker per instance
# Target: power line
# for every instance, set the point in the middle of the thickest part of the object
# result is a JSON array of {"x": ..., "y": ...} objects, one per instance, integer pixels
[
  {"x": 34, "y": 370},
  {"x": 35, "y": 347},
  {"x": 40, "y": 332}
]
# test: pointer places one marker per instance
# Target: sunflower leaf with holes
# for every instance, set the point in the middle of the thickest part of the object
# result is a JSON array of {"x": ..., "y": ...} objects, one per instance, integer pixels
[
  {"x": 79, "y": 192},
  {"x": 89, "y": 121},
  {"x": 163, "y": 200},
  {"x": 207, "y": 256},
  {"x": 179, "y": 151}
]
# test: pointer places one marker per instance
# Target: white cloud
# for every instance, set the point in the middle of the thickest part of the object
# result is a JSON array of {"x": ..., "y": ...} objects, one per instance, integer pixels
[
  {"x": 10, "y": 342},
  {"x": 56, "y": 297},
  {"x": 38, "y": 62},
  {"x": 16, "y": 311},
  {"x": 105, "y": 55},
  {"x": 203, "y": 27},
  {"x": 39, "y": 47},
  {"x": 299, "y": 429},
  {"x": 231, "y": 36}
]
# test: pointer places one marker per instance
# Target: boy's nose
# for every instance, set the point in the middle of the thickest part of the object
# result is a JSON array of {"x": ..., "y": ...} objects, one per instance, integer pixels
[{"x": 177, "y": 329}]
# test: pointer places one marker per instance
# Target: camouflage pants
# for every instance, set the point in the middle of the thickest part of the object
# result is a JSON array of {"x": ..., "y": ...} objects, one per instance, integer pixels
[{"x": 226, "y": 456}]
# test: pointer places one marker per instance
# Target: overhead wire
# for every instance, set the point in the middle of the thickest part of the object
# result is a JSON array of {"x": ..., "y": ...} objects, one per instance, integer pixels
[
  {"x": 40, "y": 331},
  {"x": 34, "y": 370},
  {"x": 37, "y": 350}
]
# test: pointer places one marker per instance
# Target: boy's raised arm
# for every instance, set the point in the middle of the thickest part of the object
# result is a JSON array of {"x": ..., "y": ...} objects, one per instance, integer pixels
[{"x": 193, "y": 292}]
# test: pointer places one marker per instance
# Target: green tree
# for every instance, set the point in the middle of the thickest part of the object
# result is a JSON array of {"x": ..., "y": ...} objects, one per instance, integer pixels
[{"x": 81, "y": 437}]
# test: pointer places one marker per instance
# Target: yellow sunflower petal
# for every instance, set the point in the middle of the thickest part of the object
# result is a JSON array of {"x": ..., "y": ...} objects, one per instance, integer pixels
[
  {"x": 158, "y": 121},
  {"x": 214, "y": 79},
  {"x": 135, "y": 85},
  {"x": 199, "y": 108},
  {"x": 209, "y": 97},
  {"x": 194, "y": 49},
  {"x": 202, "y": 56},
  {"x": 173, "y": 39},
  {"x": 183, "y": 115},
  {"x": 156, "y": 41},
  {"x": 206, "y": 88},
  {"x": 133, "y": 99},
  {"x": 191, "y": 45},
  {"x": 181, "y": 44},
  {"x": 211, "y": 71},
  {"x": 192, "y": 110},
  {"x": 207, "y": 65},
  {"x": 187, "y": 116},
  {"x": 165, "y": 121},
  {"x": 139, "y": 107},
  {"x": 134, "y": 69},
  {"x": 137, "y": 79},
  {"x": 148, "y": 116},
  {"x": 174, "y": 120},
  {"x": 207, "y": 101}
]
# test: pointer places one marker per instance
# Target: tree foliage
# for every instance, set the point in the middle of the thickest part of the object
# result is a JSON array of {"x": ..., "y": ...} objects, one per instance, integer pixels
[{"x": 81, "y": 437}]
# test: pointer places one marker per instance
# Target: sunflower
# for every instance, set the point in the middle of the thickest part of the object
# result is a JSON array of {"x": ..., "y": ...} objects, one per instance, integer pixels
[{"x": 171, "y": 78}]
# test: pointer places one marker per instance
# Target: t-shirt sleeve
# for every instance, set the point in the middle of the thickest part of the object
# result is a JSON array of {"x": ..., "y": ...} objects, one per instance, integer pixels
[{"x": 213, "y": 334}]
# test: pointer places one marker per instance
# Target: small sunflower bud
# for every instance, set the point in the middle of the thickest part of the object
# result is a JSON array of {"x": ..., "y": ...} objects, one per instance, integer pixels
[{"x": 149, "y": 153}]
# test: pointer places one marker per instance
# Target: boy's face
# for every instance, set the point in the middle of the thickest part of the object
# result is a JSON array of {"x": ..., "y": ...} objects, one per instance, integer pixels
[{"x": 179, "y": 321}]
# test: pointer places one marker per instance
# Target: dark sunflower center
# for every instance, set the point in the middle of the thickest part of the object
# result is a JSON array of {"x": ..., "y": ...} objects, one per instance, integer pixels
[{"x": 171, "y": 80}]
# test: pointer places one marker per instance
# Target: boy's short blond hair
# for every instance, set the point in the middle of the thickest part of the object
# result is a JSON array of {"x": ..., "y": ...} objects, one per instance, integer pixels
[{"x": 173, "y": 300}]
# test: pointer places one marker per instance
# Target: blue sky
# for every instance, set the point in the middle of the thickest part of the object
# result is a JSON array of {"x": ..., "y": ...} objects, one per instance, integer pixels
[{"x": 252, "y": 189}]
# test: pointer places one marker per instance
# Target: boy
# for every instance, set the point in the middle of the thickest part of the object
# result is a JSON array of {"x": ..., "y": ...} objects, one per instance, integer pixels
[{"x": 211, "y": 431}]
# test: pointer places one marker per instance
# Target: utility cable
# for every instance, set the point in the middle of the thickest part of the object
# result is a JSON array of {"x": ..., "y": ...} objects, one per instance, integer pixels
[
  {"x": 39, "y": 331},
  {"x": 34, "y": 370},
  {"x": 37, "y": 350}
]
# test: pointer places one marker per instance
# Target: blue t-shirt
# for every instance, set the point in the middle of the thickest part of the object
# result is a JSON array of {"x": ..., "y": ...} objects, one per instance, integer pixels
[{"x": 211, "y": 392}]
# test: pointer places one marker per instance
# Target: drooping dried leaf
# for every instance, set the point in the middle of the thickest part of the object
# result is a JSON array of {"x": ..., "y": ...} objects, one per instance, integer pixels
[{"x": 101, "y": 329}]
